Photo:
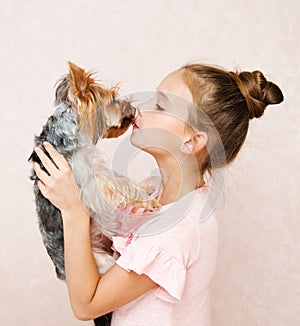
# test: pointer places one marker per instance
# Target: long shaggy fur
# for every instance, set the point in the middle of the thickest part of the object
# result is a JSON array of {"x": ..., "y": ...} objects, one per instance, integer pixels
[{"x": 86, "y": 111}]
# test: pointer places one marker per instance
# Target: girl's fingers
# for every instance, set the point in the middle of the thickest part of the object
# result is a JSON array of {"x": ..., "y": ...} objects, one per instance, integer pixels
[
  {"x": 48, "y": 164},
  {"x": 42, "y": 175},
  {"x": 58, "y": 159}
]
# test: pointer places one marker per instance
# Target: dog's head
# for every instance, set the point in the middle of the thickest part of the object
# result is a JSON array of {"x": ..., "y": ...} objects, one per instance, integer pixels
[{"x": 99, "y": 112}]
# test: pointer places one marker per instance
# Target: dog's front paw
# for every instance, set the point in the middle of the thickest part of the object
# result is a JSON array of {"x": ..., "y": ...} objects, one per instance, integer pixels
[{"x": 151, "y": 205}]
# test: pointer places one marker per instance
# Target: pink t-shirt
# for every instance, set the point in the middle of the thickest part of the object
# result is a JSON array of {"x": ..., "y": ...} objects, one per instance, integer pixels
[{"x": 180, "y": 257}]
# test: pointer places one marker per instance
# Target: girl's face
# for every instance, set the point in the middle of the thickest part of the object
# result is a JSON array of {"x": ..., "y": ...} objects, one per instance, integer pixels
[{"x": 160, "y": 126}]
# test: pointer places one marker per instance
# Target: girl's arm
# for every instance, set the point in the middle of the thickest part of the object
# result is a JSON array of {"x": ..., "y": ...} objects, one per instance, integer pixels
[{"x": 90, "y": 295}]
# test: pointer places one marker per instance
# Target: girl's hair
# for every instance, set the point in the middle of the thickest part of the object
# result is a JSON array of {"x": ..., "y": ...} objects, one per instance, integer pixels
[{"x": 228, "y": 100}]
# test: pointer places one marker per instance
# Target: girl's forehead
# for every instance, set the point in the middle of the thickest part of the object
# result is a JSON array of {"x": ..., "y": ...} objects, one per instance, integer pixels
[{"x": 174, "y": 84}]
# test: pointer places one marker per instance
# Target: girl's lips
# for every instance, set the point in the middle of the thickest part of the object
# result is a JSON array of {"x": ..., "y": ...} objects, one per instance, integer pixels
[{"x": 135, "y": 126}]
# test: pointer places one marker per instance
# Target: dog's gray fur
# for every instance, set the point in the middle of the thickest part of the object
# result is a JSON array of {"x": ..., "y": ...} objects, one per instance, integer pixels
[{"x": 93, "y": 175}]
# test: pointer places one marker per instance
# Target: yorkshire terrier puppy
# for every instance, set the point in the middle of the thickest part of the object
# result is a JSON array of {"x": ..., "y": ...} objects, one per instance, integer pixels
[{"x": 86, "y": 111}]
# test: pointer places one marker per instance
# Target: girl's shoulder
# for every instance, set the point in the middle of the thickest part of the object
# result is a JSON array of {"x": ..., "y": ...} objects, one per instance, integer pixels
[{"x": 176, "y": 225}]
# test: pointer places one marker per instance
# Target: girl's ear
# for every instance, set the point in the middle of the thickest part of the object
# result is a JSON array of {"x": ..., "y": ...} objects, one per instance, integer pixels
[{"x": 196, "y": 143}]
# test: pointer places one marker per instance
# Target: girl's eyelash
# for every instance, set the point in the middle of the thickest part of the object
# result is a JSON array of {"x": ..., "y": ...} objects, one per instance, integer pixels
[{"x": 159, "y": 108}]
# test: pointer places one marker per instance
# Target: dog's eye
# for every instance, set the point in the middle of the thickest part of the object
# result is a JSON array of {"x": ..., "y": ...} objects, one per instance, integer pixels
[{"x": 159, "y": 108}]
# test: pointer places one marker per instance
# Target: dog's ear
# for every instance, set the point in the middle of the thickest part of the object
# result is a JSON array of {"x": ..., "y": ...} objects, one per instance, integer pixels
[{"x": 79, "y": 80}]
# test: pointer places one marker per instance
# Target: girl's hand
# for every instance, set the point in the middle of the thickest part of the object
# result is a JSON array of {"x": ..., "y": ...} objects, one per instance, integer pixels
[{"x": 59, "y": 187}]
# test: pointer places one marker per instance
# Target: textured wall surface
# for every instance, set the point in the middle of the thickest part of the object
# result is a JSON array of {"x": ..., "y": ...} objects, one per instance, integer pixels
[{"x": 138, "y": 42}]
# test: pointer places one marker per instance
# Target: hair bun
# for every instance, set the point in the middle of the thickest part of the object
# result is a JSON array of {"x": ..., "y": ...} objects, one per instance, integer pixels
[{"x": 257, "y": 91}]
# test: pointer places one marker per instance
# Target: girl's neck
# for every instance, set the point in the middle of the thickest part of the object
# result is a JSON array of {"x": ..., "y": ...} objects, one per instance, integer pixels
[{"x": 178, "y": 179}]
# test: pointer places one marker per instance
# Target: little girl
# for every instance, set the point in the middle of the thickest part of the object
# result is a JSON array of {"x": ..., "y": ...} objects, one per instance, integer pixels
[{"x": 199, "y": 115}]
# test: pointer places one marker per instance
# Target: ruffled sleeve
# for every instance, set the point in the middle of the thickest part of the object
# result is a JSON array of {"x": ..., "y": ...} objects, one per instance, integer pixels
[{"x": 164, "y": 269}]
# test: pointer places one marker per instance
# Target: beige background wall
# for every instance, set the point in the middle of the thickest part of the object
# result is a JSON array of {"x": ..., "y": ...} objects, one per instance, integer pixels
[{"x": 138, "y": 42}]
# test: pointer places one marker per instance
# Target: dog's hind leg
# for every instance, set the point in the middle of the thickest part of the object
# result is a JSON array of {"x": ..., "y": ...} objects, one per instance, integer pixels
[
  {"x": 104, "y": 320},
  {"x": 51, "y": 228}
]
